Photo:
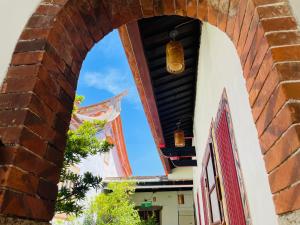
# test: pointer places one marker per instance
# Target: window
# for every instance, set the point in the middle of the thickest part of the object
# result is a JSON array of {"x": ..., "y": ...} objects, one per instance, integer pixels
[{"x": 213, "y": 189}]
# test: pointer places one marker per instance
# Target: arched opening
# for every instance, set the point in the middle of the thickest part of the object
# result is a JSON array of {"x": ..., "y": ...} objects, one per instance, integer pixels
[{"x": 58, "y": 36}]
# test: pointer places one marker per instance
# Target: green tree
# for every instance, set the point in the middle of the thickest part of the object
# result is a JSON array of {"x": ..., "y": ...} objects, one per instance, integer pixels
[
  {"x": 81, "y": 143},
  {"x": 149, "y": 221},
  {"x": 114, "y": 207}
]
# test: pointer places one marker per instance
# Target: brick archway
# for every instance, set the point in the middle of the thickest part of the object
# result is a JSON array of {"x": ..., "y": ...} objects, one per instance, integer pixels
[{"x": 37, "y": 95}]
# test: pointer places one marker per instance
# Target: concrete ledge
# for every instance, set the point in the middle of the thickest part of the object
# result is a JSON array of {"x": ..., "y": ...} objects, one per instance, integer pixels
[{"x": 16, "y": 221}]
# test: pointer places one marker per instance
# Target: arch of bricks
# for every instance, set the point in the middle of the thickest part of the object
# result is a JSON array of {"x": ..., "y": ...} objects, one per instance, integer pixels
[{"x": 37, "y": 95}]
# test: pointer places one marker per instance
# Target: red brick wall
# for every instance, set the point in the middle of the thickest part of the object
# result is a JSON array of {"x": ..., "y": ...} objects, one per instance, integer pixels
[{"x": 37, "y": 95}]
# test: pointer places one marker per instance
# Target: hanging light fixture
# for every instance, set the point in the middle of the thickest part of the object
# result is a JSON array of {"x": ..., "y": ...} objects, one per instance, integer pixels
[
  {"x": 179, "y": 136},
  {"x": 175, "y": 55}
]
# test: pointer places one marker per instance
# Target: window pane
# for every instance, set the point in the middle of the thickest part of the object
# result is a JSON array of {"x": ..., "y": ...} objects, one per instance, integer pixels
[
  {"x": 210, "y": 174},
  {"x": 215, "y": 210}
]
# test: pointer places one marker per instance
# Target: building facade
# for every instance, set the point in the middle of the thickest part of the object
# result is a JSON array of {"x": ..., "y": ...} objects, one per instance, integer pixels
[
  {"x": 244, "y": 79},
  {"x": 170, "y": 201},
  {"x": 114, "y": 163}
]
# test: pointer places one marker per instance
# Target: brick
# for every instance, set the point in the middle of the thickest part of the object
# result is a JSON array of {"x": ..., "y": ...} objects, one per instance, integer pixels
[
  {"x": 223, "y": 14},
  {"x": 48, "y": 9},
  {"x": 80, "y": 25},
  {"x": 14, "y": 85},
  {"x": 202, "y": 10},
  {"x": 288, "y": 115},
  {"x": 255, "y": 81},
  {"x": 239, "y": 21},
  {"x": 263, "y": 87},
  {"x": 103, "y": 21},
  {"x": 7, "y": 155},
  {"x": 61, "y": 125},
  {"x": 232, "y": 14},
  {"x": 73, "y": 34},
  {"x": 49, "y": 171},
  {"x": 54, "y": 155},
  {"x": 267, "y": 2},
  {"x": 39, "y": 209},
  {"x": 213, "y": 9},
  {"x": 191, "y": 8},
  {"x": 135, "y": 9},
  {"x": 120, "y": 12},
  {"x": 53, "y": 62},
  {"x": 26, "y": 206},
  {"x": 31, "y": 45},
  {"x": 27, "y": 58},
  {"x": 34, "y": 33},
  {"x": 11, "y": 177},
  {"x": 58, "y": 141},
  {"x": 258, "y": 45},
  {"x": 27, "y": 160},
  {"x": 12, "y": 203},
  {"x": 59, "y": 40},
  {"x": 283, "y": 93},
  {"x": 147, "y": 8},
  {"x": 283, "y": 38},
  {"x": 287, "y": 71},
  {"x": 41, "y": 109},
  {"x": 37, "y": 125},
  {"x": 22, "y": 71},
  {"x": 12, "y": 117},
  {"x": 40, "y": 21},
  {"x": 286, "y": 53},
  {"x": 87, "y": 14},
  {"x": 47, "y": 190},
  {"x": 280, "y": 23},
  {"x": 10, "y": 135},
  {"x": 14, "y": 101},
  {"x": 245, "y": 26},
  {"x": 288, "y": 143},
  {"x": 286, "y": 174},
  {"x": 262, "y": 52},
  {"x": 166, "y": 7},
  {"x": 32, "y": 142},
  {"x": 277, "y": 10},
  {"x": 180, "y": 7},
  {"x": 287, "y": 200},
  {"x": 251, "y": 34}
]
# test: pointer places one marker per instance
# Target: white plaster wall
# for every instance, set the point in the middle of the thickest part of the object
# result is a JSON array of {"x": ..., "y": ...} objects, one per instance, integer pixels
[
  {"x": 296, "y": 9},
  {"x": 219, "y": 67},
  {"x": 168, "y": 201},
  {"x": 183, "y": 173},
  {"x": 14, "y": 15}
]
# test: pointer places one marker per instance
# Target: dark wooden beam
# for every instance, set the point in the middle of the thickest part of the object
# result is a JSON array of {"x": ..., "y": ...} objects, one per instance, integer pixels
[
  {"x": 182, "y": 152},
  {"x": 133, "y": 46},
  {"x": 185, "y": 163}
]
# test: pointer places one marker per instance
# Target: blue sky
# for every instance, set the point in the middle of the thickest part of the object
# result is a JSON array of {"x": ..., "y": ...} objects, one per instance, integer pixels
[{"x": 105, "y": 73}]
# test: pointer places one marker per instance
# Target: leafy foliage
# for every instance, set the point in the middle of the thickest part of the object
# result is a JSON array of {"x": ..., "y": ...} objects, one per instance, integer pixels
[
  {"x": 81, "y": 143},
  {"x": 149, "y": 221},
  {"x": 115, "y": 207}
]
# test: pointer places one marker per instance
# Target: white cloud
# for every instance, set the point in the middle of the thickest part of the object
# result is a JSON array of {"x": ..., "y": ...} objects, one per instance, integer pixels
[{"x": 113, "y": 81}]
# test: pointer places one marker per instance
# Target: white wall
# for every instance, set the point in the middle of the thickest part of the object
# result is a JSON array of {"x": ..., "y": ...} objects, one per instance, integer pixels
[
  {"x": 14, "y": 15},
  {"x": 168, "y": 201},
  {"x": 219, "y": 67},
  {"x": 181, "y": 173},
  {"x": 296, "y": 9}
]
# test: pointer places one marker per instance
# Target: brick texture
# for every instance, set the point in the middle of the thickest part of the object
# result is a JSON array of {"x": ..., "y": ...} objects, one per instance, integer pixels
[{"x": 37, "y": 95}]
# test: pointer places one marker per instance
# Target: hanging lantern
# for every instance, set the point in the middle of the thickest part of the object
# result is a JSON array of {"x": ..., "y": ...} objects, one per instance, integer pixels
[
  {"x": 179, "y": 138},
  {"x": 175, "y": 57}
]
